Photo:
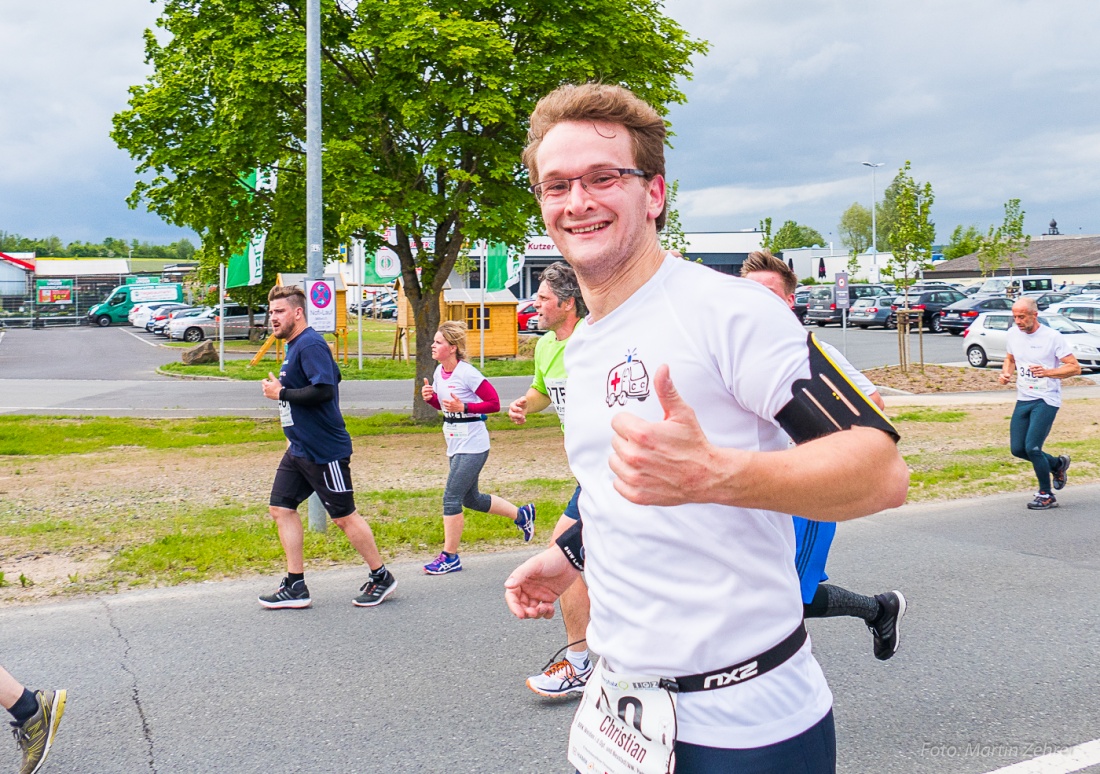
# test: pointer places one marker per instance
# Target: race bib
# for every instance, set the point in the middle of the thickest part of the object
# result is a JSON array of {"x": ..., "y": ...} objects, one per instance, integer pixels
[
  {"x": 555, "y": 389},
  {"x": 458, "y": 430},
  {"x": 285, "y": 417},
  {"x": 625, "y": 724},
  {"x": 1032, "y": 383}
]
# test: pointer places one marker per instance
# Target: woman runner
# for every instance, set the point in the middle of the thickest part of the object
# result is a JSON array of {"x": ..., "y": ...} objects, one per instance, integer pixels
[{"x": 465, "y": 396}]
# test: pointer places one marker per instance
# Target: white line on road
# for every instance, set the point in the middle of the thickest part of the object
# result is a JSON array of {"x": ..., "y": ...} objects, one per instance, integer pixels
[
  {"x": 1062, "y": 762},
  {"x": 143, "y": 341}
]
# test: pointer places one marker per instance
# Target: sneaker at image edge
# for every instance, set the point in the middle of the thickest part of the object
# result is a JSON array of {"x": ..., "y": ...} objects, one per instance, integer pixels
[
  {"x": 525, "y": 520},
  {"x": 884, "y": 629},
  {"x": 374, "y": 591},
  {"x": 560, "y": 679},
  {"x": 35, "y": 737},
  {"x": 1058, "y": 477},
  {"x": 1042, "y": 502},
  {"x": 288, "y": 596},
  {"x": 442, "y": 565}
]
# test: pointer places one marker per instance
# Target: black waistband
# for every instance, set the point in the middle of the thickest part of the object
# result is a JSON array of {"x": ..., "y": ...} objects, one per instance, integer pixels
[
  {"x": 739, "y": 673},
  {"x": 460, "y": 420}
]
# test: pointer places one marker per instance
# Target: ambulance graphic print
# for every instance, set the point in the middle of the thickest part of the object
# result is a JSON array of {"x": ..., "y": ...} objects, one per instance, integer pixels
[{"x": 628, "y": 379}]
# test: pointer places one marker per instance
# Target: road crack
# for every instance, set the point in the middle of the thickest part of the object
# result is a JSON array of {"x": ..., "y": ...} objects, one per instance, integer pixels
[{"x": 134, "y": 692}]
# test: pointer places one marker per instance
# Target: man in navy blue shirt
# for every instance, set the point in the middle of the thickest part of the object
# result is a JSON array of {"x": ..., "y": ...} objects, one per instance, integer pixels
[{"x": 318, "y": 454}]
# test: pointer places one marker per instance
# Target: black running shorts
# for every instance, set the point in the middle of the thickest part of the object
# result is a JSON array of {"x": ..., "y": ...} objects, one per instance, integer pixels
[{"x": 297, "y": 478}]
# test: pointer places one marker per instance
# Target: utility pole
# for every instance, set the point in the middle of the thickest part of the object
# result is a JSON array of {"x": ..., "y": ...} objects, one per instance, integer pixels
[
  {"x": 874, "y": 206},
  {"x": 315, "y": 267}
]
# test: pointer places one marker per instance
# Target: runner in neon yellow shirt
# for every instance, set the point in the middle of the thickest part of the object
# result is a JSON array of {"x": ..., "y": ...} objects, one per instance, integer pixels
[{"x": 561, "y": 311}]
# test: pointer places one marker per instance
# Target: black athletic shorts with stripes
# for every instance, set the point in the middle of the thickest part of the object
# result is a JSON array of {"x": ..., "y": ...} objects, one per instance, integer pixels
[{"x": 297, "y": 478}]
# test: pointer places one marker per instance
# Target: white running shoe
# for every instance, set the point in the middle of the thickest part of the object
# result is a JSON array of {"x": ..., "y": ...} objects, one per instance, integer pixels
[{"x": 560, "y": 679}]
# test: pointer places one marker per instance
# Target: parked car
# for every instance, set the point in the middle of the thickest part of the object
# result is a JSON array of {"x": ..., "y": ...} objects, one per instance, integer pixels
[
  {"x": 822, "y": 308},
  {"x": 1012, "y": 287},
  {"x": 1049, "y": 299},
  {"x": 1084, "y": 313},
  {"x": 801, "y": 303},
  {"x": 525, "y": 310},
  {"x": 206, "y": 325},
  {"x": 140, "y": 314},
  {"x": 866, "y": 312},
  {"x": 161, "y": 326},
  {"x": 972, "y": 289},
  {"x": 985, "y": 340},
  {"x": 161, "y": 315},
  {"x": 958, "y": 316},
  {"x": 1073, "y": 290},
  {"x": 930, "y": 302}
]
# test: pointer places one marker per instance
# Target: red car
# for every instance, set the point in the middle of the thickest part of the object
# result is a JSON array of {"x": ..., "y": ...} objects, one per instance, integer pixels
[{"x": 525, "y": 310}]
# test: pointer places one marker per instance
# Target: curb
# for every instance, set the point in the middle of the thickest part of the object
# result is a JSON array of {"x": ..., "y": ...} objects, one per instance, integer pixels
[{"x": 194, "y": 378}]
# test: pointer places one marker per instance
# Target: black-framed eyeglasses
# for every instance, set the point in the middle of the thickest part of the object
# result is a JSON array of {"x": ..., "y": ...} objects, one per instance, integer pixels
[{"x": 595, "y": 181}]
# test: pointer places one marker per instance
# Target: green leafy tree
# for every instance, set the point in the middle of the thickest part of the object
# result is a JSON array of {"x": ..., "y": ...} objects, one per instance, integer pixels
[
  {"x": 791, "y": 235},
  {"x": 672, "y": 235},
  {"x": 766, "y": 240},
  {"x": 964, "y": 241},
  {"x": 1004, "y": 243},
  {"x": 912, "y": 231},
  {"x": 425, "y": 115},
  {"x": 886, "y": 214},
  {"x": 855, "y": 229}
]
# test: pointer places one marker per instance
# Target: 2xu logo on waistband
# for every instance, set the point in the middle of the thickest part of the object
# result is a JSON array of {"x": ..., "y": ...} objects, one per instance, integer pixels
[{"x": 722, "y": 679}]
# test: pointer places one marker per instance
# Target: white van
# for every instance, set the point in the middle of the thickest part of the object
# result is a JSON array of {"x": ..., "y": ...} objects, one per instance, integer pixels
[{"x": 1028, "y": 284}]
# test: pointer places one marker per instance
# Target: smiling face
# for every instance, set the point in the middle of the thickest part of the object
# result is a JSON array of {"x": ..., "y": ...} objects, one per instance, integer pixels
[{"x": 598, "y": 233}]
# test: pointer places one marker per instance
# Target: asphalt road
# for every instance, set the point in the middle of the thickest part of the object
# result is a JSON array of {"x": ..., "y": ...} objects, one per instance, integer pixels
[
  {"x": 997, "y": 664},
  {"x": 112, "y": 372}
]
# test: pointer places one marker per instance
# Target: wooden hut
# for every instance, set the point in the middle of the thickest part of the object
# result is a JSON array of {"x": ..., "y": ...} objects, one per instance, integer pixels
[{"x": 499, "y": 322}]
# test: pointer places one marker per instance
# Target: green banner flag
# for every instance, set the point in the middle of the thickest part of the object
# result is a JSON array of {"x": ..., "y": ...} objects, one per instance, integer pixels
[
  {"x": 497, "y": 265},
  {"x": 382, "y": 268},
  {"x": 247, "y": 267}
]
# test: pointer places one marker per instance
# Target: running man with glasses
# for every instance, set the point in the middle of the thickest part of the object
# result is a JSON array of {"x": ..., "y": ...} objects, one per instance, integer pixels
[
  {"x": 687, "y": 487},
  {"x": 1039, "y": 357}
]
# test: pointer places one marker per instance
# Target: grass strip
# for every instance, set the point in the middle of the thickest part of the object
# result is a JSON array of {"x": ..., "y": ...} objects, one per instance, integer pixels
[
  {"x": 381, "y": 369},
  {"x": 38, "y": 435},
  {"x": 188, "y": 546}
]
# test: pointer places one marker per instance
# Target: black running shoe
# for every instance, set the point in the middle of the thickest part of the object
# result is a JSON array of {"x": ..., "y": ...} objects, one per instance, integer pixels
[
  {"x": 1058, "y": 477},
  {"x": 1042, "y": 502},
  {"x": 884, "y": 629},
  {"x": 288, "y": 596},
  {"x": 375, "y": 590}
]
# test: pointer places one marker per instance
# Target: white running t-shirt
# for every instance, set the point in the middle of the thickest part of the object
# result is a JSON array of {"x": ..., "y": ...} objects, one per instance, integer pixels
[
  {"x": 462, "y": 437},
  {"x": 1045, "y": 347},
  {"x": 688, "y": 589}
]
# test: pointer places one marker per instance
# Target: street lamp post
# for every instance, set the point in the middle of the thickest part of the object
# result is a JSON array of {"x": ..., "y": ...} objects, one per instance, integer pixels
[{"x": 874, "y": 232}]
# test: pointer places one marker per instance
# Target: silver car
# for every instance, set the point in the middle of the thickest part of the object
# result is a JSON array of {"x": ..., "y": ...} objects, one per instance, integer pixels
[
  {"x": 1082, "y": 311},
  {"x": 205, "y": 325},
  {"x": 985, "y": 339}
]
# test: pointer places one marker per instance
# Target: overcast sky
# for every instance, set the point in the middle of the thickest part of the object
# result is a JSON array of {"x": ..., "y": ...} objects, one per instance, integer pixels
[{"x": 989, "y": 100}]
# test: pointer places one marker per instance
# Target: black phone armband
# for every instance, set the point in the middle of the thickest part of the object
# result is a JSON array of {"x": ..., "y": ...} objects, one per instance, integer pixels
[
  {"x": 828, "y": 402},
  {"x": 571, "y": 543}
]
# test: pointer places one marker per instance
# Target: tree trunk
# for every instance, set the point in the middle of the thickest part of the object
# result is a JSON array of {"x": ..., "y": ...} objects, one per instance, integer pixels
[{"x": 426, "y": 313}]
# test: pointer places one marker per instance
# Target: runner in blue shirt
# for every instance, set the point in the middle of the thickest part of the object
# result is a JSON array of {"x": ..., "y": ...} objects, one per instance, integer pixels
[{"x": 318, "y": 455}]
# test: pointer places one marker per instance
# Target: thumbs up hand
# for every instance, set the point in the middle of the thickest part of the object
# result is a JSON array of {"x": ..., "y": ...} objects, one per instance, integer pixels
[
  {"x": 666, "y": 462},
  {"x": 426, "y": 392}
]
